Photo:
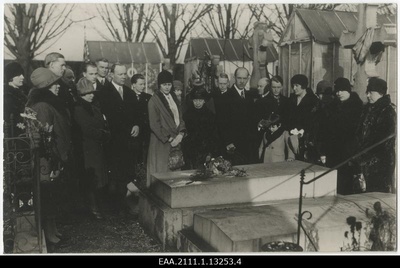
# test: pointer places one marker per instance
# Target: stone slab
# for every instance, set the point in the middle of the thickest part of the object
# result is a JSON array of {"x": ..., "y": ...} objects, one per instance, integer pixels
[
  {"x": 159, "y": 220},
  {"x": 247, "y": 229},
  {"x": 265, "y": 182},
  {"x": 164, "y": 223},
  {"x": 188, "y": 241}
]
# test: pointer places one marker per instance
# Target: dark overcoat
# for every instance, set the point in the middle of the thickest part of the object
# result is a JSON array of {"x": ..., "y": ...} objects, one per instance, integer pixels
[
  {"x": 378, "y": 121},
  {"x": 53, "y": 111},
  {"x": 201, "y": 139},
  {"x": 121, "y": 115},
  {"x": 241, "y": 130},
  {"x": 14, "y": 104},
  {"x": 94, "y": 135}
]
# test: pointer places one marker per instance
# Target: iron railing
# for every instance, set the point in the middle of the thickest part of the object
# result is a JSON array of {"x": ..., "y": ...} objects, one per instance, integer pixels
[
  {"x": 301, "y": 213},
  {"x": 21, "y": 172}
]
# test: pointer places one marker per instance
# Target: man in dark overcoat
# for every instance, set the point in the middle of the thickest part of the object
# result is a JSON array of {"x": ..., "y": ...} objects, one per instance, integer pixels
[
  {"x": 221, "y": 100},
  {"x": 118, "y": 104},
  {"x": 240, "y": 132}
]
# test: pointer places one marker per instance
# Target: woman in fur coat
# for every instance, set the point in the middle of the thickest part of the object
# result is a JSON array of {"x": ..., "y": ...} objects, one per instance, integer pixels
[
  {"x": 378, "y": 121},
  {"x": 339, "y": 137},
  {"x": 51, "y": 110},
  {"x": 92, "y": 126}
]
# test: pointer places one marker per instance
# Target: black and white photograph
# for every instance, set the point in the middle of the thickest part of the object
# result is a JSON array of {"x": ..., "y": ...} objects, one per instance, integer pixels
[{"x": 199, "y": 132}]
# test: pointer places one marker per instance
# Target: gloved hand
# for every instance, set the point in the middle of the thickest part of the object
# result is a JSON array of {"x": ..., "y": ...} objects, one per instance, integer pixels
[{"x": 178, "y": 139}]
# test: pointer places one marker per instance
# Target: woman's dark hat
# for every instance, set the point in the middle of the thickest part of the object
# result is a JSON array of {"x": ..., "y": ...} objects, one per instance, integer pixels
[
  {"x": 198, "y": 92},
  {"x": 299, "y": 79},
  {"x": 12, "y": 70},
  {"x": 342, "y": 84},
  {"x": 378, "y": 85},
  {"x": 164, "y": 77},
  {"x": 324, "y": 87}
]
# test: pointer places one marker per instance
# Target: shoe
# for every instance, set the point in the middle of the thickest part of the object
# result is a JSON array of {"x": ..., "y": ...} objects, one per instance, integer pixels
[
  {"x": 53, "y": 247},
  {"x": 59, "y": 236},
  {"x": 97, "y": 215}
]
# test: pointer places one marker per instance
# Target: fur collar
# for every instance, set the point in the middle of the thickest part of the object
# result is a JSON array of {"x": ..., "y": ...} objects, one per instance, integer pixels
[
  {"x": 44, "y": 95},
  {"x": 165, "y": 102}
]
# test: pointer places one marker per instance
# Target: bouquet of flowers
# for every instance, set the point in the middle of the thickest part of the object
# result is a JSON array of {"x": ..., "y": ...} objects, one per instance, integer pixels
[
  {"x": 217, "y": 166},
  {"x": 41, "y": 136}
]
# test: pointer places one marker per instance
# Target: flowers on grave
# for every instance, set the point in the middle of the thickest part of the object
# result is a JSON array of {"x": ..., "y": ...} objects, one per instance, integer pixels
[{"x": 215, "y": 167}]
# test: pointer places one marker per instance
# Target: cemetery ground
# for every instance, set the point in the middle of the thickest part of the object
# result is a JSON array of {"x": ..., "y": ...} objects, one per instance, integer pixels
[
  {"x": 114, "y": 234},
  {"x": 84, "y": 234}
]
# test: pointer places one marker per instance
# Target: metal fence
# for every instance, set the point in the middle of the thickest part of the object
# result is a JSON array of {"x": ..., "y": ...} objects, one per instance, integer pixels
[{"x": 21, "y": 195}]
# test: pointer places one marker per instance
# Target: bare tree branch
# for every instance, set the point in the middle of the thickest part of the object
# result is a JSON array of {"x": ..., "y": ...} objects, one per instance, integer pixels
[
  {"x": 230, "y": 21},
  {"x": 29, "y": 27},
  {"x": 126, "y": 22}
]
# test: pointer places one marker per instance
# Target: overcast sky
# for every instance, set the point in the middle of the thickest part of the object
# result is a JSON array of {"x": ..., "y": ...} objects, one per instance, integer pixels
[{"x": 71, "y": 44}]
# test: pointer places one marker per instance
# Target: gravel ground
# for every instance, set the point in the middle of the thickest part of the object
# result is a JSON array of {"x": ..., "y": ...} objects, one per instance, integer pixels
[
  {"x": 114, "y": 234},
  {"x": 84, "y": 234}
]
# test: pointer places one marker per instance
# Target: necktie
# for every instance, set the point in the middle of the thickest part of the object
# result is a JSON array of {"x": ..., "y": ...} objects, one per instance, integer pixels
[
  {"x": 174, "y": 109},
  {"x": 242, "y": 94},
  {"x": 138, "y": 96},
  {"x": 121, "y": 92},
  {"x": 102, "y": 81}
]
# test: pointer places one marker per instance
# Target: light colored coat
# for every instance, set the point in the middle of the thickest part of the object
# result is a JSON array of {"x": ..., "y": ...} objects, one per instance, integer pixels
[
  {"x": 277, "y": 150},
  {"x": 162, "y": 127}
]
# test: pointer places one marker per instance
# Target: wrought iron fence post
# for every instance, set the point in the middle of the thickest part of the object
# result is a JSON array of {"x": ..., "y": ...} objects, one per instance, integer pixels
[
  {"x": 38, "y": 198},
  {"x": 300, "y": 215}
]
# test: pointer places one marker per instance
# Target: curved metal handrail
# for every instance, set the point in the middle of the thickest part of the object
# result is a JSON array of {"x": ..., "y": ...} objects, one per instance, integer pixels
[{"x": 302, "y": 183}]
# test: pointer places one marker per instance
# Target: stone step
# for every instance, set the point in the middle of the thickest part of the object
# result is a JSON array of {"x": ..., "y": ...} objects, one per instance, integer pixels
[
  {"x": 265, "y": 182},
  {"x": 247, "y": 229},
  {"x": 188, "y": 241}
]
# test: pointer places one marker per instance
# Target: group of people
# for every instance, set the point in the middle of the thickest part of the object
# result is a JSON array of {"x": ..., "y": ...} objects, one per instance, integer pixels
[{"x": 103, "y": 129}]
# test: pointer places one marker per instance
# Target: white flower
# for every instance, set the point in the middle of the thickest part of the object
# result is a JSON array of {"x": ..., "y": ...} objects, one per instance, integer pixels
[
  {"x": 21, "y": 126},
  {"x": 29, "y": 116},
  {"x": 297, "y": 132}
]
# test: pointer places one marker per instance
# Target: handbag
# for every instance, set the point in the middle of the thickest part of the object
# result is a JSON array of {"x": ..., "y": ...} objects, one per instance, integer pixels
[{"x": 175, "y": 158}]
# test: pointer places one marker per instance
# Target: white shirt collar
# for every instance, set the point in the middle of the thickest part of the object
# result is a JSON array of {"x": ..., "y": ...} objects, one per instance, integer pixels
[
  {"x": 238, "y": 90},
  {"x": 116, "y": 85}
]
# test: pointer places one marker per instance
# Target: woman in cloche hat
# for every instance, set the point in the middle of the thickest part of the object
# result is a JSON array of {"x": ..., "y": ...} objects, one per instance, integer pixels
[
  {"x": 166, "y": 124},
  {"x": 51, "y": 110},
  {"x": 14, "y": 98},
  {"x": 94, "y": 134}
]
